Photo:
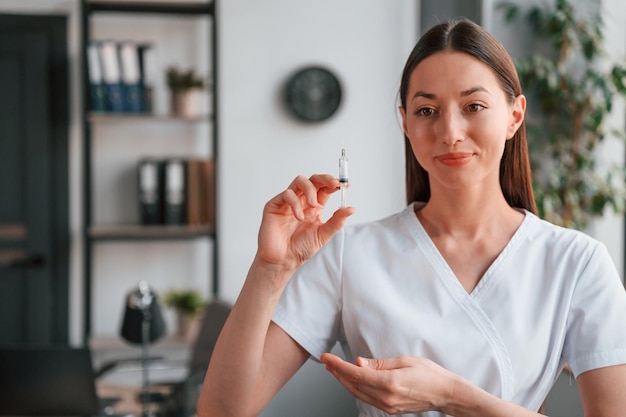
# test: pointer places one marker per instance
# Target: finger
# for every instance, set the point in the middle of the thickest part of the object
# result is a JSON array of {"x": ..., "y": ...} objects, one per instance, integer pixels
[
  {"x": 366, "y": 364},
  {"x": 383, "y": 363},
  {"x": 338, "y": 366},
  {"x": 364, "y": 379},
  {"x": 326, "y": 186},
  {"x": 294, "y": 202},
  {"x": 352, "y": 379},
  {"x": 300, "y": 191},
  {"x": 303, "y": 186},
  {"x": 374, "y": 396},
  {"x": 348, "y": 382},
  {"x": 343, "y": 369},
  {"x": 335, "y": 223},
  {"x": 284, "y": 201},
  {"x": 326, "y": 180},
  {"x": 323, "y": 194},
  {"x": 329, "y": 358}
]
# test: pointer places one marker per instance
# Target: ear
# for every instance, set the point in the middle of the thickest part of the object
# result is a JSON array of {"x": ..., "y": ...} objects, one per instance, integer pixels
[
  {"x": 403, "y": 114},
  {"x": 517, "y": 115}
]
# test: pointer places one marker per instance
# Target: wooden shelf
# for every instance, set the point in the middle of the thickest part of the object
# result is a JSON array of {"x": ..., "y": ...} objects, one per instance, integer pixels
[
  {"x": 139, "y": 232},
  {"x": 143, "y": 117}
]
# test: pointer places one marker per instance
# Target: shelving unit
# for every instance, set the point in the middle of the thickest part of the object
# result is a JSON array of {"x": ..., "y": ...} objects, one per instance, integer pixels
[{"x": 119, "y": 228}]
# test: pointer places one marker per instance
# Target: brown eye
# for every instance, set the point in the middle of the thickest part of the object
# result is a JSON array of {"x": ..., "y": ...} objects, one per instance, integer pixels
[
  {"x": 475, "y": 107},
  {"x": 425, "y": 111}
]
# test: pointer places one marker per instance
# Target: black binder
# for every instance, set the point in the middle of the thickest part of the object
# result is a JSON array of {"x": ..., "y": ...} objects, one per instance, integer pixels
[
  {"x": 149, "y": 191},
  {"x": 97, "y": 93},
  {"x": 113, "y": 87},
  {"x": 174, "y": 197},
  {"x": 131, "y": 77}
]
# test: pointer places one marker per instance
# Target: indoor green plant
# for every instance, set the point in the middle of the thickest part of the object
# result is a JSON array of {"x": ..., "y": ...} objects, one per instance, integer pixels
[
  {"x": 180, "y": 80},
  {"x": 188, "y": 304},
  {"x": 185, "y": 87},
  {"x": 184, "y": 301},
  {"x": 570, "y": 96}
]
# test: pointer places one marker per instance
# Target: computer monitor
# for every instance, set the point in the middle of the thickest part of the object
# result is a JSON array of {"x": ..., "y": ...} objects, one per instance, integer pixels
[{"x": 50, "y": 381}]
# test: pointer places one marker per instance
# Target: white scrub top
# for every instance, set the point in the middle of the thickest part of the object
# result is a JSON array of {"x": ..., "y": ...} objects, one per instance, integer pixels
[{"x": 382, "y": 289}]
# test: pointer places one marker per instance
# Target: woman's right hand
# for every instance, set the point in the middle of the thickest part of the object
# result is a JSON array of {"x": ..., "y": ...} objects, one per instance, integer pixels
[
  {"x": 292, "y": 229},
  {"x": 253, "y": 358}
]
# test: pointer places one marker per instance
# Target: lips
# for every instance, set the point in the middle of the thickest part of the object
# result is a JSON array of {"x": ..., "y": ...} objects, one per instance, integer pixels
[{"x": 455, "y": 159}]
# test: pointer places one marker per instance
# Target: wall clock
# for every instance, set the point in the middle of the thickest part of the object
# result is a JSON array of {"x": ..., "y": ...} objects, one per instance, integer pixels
[{"x": 313, "y": 94}]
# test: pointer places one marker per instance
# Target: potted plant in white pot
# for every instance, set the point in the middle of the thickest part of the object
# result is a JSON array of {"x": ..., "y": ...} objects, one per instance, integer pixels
[
  {"x": 189, "y": 305},
  {"x": 185, "y": 88}
]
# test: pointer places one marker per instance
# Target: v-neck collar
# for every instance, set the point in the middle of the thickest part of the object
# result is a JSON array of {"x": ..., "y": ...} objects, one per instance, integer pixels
[{"x": 448, "y": 275}]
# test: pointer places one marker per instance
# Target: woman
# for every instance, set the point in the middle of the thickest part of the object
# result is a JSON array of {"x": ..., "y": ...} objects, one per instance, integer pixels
[{"x": 465, "y": 303}]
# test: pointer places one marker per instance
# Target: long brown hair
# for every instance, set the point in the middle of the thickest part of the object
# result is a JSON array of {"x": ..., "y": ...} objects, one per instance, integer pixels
[{"x": 463, "y": 35}]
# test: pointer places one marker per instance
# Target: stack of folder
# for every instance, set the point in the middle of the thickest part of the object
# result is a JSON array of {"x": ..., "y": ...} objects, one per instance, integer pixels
[
  {"x": 117, "y": 76},
  {"x": 176, "y": 191}
]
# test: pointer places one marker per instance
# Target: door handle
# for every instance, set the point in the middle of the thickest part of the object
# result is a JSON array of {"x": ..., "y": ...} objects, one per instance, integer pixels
[{"x": 19, "y": 259}]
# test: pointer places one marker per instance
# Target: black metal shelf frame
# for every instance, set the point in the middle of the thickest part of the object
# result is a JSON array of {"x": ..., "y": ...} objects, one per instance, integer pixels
[{"x": 143, "y": 7}]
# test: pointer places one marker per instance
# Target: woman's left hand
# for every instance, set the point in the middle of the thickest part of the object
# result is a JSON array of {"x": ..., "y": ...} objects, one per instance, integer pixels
[
  {"x": 404, "y": 385},
  {"x": 395, "y": 385}
]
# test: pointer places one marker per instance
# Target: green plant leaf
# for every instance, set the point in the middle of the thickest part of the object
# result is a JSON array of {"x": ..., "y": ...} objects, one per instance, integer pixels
[
  {"x": 511, "y": 10},
  {"x": 569, "y": 96},
  {"x": 186, "y": 301}
]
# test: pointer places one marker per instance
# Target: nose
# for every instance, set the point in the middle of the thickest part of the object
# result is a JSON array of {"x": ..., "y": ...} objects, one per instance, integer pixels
[{"x": 450, "y": 127}]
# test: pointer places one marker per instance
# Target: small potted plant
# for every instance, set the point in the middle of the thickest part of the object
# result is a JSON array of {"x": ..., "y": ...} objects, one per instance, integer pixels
[
  {"x": 185, "y": 88},
  {"x": 188, "y": 304}
]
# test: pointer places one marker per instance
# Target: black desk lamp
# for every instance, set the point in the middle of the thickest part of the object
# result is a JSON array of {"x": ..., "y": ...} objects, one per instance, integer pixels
[{"x": 143, "y": 324}]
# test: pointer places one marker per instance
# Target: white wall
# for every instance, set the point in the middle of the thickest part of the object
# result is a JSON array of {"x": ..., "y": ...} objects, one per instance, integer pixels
[{"x": 262, "y": 149}]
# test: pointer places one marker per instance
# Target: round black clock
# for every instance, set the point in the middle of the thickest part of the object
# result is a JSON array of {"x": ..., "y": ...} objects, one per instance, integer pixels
[{"x": 313, "y": 94}]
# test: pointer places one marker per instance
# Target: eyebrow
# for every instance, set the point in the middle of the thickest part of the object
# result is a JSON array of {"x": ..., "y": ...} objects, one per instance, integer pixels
[{"x": 464, "y": 93}]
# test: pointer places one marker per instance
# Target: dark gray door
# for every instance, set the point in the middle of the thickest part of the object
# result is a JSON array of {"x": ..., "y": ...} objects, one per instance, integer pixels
[{"x": 33, "y": 159}]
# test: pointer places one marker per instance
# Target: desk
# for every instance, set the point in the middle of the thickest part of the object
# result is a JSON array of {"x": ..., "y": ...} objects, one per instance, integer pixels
[
  {"x": 174, "y": 367},
  {"x": 125, "y": 379},
  {"x": 129, "y": 398}
]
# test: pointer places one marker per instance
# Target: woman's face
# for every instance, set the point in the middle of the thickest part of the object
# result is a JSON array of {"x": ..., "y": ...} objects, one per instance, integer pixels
[{"x": 457, "y": 119}]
